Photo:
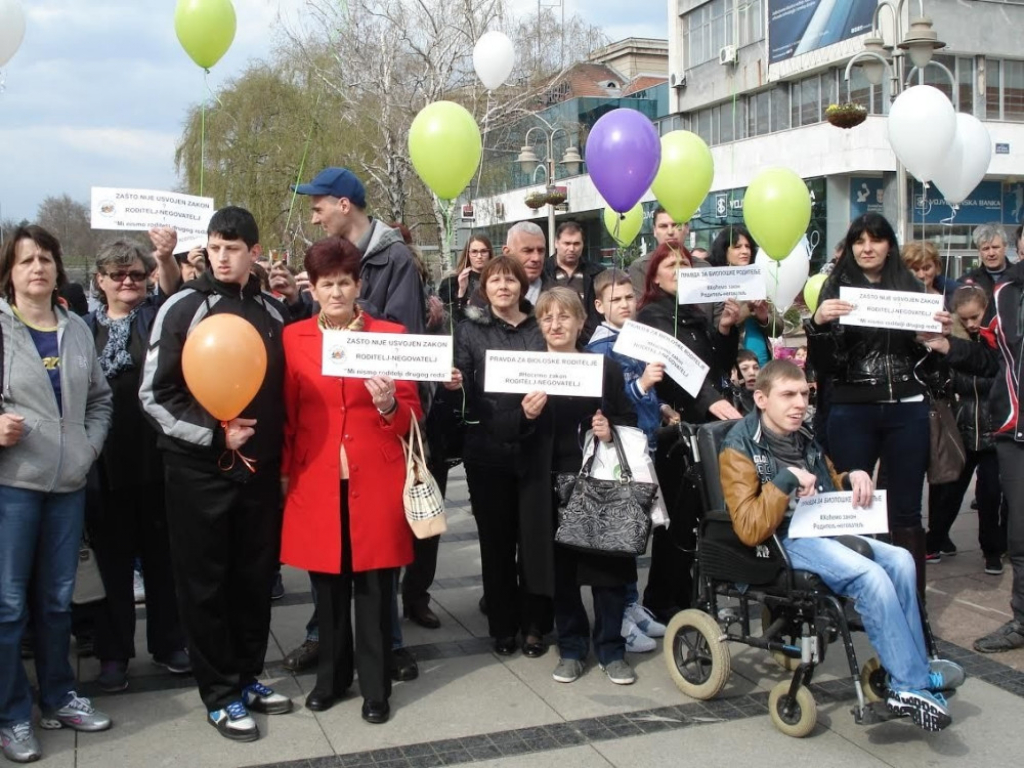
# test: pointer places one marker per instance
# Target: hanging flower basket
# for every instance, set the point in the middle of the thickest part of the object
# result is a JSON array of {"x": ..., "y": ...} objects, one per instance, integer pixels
[
  {"x": 846, "y": 115},
  {"x": 536, "y": 200},
  {"x": 556, "y": 197}
]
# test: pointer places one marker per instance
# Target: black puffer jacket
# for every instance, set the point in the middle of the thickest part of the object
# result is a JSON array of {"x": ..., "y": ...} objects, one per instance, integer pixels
[
  {"x": 479, "y": 332},
  {"x": 689, "y": 324},
  {"x": 867, "y": 364}
]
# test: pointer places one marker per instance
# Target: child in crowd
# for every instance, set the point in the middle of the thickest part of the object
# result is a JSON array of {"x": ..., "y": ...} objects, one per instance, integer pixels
[
  {"x": 747, "y": 368},
  {"x": 615, "y": 299}
]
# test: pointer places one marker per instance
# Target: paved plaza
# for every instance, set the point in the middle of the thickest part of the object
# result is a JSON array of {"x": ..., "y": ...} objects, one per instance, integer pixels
[{"x": 471, "y": 707}]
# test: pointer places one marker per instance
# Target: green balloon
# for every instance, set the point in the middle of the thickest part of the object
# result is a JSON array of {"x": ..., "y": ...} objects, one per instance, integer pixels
[
  {"x": 777, "y": 210},
  {"x": 812, "y": 290},
  {"x": 444, "y": 146},
  {"x": 206, "y": 29},
  {"x": 628, "y": 224},
  {"x": 685, "y": 174}
]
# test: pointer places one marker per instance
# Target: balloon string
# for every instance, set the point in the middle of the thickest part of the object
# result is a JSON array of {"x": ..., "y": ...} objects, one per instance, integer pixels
[
  {"x": 249, "y": 464},
  {"x": 202, "y": 146},
  {"x": 302, "y": 163},
  {"x": 483, "y": 144},
  {"x": 949, "y": 246}
]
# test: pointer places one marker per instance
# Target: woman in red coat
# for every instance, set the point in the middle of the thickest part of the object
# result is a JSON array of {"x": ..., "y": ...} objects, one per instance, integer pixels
[{"x": 344, "y": 470}]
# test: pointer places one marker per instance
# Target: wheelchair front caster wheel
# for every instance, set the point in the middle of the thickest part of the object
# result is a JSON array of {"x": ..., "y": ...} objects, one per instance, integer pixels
[
  {"x": 874, "y": 680},
  {"x": 697, "y": 655},
  {"x": 793, "y": 716}
]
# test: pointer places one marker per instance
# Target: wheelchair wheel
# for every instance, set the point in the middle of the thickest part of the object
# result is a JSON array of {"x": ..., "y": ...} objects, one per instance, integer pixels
[
  {"x": 874, "y": 680},
  {"x": 802, "y": 714},
  {"x": 788, "y": 663},
  {"x": 697, "y": 654}
]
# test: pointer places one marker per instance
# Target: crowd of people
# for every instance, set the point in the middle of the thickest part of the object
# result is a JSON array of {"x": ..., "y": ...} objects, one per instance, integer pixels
[{"x": 102, "y": 435}]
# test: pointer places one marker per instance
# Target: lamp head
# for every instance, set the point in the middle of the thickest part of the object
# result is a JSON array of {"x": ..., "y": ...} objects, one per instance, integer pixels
[
  {"x": 874, "y": 70},
  {"x": 527, "y": 159},
  {"x": 572, "y": 161},
  {"x": 921, "y": 41}
]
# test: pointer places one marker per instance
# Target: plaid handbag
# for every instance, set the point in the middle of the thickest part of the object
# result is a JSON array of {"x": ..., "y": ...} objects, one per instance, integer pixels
[{"x": 421, "y": 497}]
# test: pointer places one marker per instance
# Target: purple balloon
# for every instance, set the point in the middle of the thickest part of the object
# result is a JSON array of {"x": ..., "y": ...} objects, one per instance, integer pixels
[{"x": 623, "y": 153}]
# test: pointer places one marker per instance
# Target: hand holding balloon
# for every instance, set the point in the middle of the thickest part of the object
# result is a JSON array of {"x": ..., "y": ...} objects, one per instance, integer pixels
[{"x": 237, "y": 432}]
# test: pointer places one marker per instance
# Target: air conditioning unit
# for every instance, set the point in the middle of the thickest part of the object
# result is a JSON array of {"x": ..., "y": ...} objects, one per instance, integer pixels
[
  {"x": 468, "y": 212},
  {"x": 727, "y": 54},
  {"x": 677, "y": 80},
  {"x": 499, "y": 210}
]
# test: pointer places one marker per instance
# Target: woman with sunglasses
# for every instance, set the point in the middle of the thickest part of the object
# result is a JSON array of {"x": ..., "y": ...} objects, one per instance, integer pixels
[{"x": 127, "y": 516}]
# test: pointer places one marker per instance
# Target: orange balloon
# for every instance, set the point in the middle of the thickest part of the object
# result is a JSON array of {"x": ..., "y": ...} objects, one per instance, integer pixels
[{"x": 224, "y": 362}]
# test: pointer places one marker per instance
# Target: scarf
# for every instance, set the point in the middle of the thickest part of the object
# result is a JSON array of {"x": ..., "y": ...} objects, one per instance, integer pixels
[
  {"x": 115, "y": 358},
  {"x": 355, "y": 324}
]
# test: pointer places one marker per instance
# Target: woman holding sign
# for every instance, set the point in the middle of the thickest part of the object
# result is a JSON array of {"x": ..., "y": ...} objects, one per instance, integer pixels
[
  {"x": 550, "y": 430},
  {"x": 342, "y": 474},
  {"x": 515, "y": 543},
  {"x": 879, "y": 410},
  {"x": 669, "y": 585}
]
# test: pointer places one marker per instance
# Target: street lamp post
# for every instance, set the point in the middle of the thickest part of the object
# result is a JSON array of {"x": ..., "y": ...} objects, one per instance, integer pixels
[
  {"x": 529, "y": 162},
  {"x": 920, "y": 42}
]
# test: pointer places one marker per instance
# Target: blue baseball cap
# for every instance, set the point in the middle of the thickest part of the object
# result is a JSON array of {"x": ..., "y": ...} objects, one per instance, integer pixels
[{"x": 336, "y": 182}]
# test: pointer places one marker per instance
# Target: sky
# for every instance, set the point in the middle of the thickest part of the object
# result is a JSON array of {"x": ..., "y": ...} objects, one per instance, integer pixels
[{"x": 98, "y": 92}]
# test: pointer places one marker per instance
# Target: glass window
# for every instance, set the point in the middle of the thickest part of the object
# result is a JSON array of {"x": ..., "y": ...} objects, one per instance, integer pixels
[
  {"x": 965, "y": 80},
  {"x": 780, "y": 107},
  {"x": 751, "y": 121},
  {"x": 763, "y": 112},
  {"x": 716, "y": 125},
  {"x": 992, "y": 110},
  {"x": 1013, "y": 90},
  {"x": 728, "y": 110},
  {"x": 751, "y": 23},
  {"x": 810, "y": 111},
  {"x": 704, "y": 125},
  {"x": 936, "y": 77},
  {"x": 829, "y": 94},
  {"x": 858, "y": 88},
  {"x": 794, "y": 112}
]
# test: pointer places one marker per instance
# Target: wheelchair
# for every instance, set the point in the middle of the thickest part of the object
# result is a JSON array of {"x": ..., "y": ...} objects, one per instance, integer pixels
[{"x": 800, "y": 616}]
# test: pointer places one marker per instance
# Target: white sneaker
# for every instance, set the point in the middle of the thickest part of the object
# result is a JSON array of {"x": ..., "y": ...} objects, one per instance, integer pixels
[
  {"x": 644, "y": 620},
  {"x": 636, "y": 641},
  {"x": 140, "y": 588}
]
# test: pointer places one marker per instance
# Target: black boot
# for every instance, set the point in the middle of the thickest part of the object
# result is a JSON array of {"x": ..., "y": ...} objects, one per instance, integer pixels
[{"x": 912, "y": 539}]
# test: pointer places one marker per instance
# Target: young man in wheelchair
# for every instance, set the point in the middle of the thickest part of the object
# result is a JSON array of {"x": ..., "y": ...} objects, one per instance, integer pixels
[{"x": 769, "y": 459}]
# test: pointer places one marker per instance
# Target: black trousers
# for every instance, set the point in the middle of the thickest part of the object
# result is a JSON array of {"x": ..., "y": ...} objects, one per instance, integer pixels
[
  {"x": 670, "y": 579},
  {"x": 372, "y": 592},
  {"x": 225, "y": 543},
  {"x": 125, "y": 523},
  {"x": 494, "y": 495},
  {"x": 944, "y": 504},
  {"x": 419, "y": 574},
  {"x": 1011, "y": 473}
]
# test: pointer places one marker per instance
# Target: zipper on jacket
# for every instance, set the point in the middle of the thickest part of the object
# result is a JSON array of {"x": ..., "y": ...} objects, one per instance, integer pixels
[
  {"x": 60, "y": 408},
  {"x": 888, "y": 364},
  {"x": 977, "y": 416}
]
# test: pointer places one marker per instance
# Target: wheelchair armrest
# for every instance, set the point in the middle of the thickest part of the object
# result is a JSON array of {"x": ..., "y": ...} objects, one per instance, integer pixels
[{"x": 784, "y": 556}]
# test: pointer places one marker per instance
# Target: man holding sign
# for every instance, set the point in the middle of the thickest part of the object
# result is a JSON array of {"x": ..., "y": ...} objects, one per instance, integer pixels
[{"x": 769, "y": 458}]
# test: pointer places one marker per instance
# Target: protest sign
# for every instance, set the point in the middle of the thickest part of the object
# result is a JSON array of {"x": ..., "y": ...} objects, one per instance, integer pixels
[
  {"x": 896, "y": 310},
  {"x": 711, "y": 284},
  {"x": 833, "y": 514},
  {"x": 650, "y": 345},
  {"x": 143, "y": 209},
  {"x": 553, "y": 373},
  {"x": 404, "y": 356}
]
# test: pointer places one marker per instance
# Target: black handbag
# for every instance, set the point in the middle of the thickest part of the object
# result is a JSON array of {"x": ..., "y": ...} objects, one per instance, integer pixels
[{"x": 608, "y": 517}]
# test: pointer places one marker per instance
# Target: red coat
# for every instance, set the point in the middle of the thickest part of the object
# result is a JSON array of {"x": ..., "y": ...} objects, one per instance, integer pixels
[{"x": 321, "y": 412}]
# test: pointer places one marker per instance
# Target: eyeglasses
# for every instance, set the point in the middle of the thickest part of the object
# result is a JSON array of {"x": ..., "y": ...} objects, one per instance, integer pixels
[
  {"x": 119, "y": 277},
  {"x": 479, "y": 251}
]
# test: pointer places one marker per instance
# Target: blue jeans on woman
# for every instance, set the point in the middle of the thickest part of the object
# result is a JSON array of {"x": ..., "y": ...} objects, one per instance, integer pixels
[
  {"x": 886, "y": 593},
  {"x": 897, "y": 434},
  {"x": 40, "y": 535}
]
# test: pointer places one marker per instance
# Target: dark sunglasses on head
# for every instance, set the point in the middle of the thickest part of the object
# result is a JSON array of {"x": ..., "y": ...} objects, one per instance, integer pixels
[{"x": 136, "y": 276}]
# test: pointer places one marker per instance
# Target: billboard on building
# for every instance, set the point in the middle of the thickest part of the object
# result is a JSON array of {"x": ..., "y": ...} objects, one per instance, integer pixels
[{"x": 801, "y": 26}]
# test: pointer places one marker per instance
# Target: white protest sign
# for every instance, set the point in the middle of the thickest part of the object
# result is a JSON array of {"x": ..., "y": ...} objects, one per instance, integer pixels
[
  {"x": 553, "y": 373},
  {"x": 143, "y": 209},
  {"x": 650, "y": 345},
  {"x": 833, "y": 514},
  {"x": 405, "y": 356},
  {"x": 710, "y": 284},
  {"x": 896, "y": 310}
]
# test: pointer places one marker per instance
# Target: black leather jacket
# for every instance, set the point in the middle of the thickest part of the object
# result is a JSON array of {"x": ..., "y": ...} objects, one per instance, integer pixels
[
  {"x": 867, "y": 364},
  {"x": 973, "y": 414}
]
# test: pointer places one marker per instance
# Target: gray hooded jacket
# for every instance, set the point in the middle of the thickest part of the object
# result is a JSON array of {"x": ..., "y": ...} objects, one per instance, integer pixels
[
  {"x": 391, "y": 282},
  {"x": 55, "y": 451}
]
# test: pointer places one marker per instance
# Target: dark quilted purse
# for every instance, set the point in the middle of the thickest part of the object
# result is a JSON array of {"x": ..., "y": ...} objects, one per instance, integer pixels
[{"x": 608, "y": 517}]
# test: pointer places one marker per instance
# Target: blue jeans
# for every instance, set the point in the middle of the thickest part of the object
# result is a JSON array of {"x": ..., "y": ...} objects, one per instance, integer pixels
[
  {"x": 897, "y": 434},
  {"x": 886, "y": 595},
  {"x": 40, "y": 535}
]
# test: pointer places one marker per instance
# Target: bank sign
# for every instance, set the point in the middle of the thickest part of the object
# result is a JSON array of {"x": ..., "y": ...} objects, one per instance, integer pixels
[
  {"x": 801, "y": 26},
  {"x": 988, "y": 203}
]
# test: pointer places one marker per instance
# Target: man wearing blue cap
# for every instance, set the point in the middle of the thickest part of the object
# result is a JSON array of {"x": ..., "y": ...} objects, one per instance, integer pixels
[
  {"x": 391, "y": 288},
  {"x": 391, "y": 283}
]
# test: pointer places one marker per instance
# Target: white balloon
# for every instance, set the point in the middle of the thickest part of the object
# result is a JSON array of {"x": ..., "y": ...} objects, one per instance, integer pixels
[
  {"x": 785, "y": 279},
  {"x": 922, "y": 126},
  {"x": 493, "y": 59},
  {"x": 967, "y": 160},
  {"x": 12, "y": 29}
]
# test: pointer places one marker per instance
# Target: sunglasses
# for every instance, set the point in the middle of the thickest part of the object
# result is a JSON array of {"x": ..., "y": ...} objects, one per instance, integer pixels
[{"x": 119, "y": 277}]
